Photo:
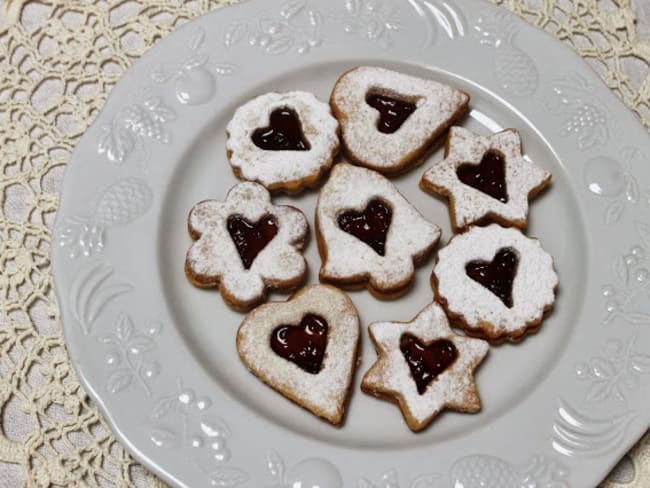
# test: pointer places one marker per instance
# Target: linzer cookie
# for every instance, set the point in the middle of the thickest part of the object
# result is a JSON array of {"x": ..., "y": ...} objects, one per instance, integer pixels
[
  {"x": 246, "y": 245},
  {"x": 495, "y": 282},
  {"x": 368, "y": 233},
  {"x": 285, "y": 141},
  {"x": 424, "y": 367},
  {"x": 389, "y": 119},
  {"x": 485, "y": 178},
  {"x": 306, "y": 348}
]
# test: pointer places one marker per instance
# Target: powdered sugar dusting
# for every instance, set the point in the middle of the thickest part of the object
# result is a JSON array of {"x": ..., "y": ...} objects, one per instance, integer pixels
[
  {"x": 278, "y": 169},
  {"x": 409, "y": 236},
  {"x": 471, "y": 205},
  {"x": 215, "y": 256},
  {"x": 323, "y": 393},
  {"x": 391, "y": 375},
  {"x": 533, "y": 289},
  {"x": 437, "y": 105}
]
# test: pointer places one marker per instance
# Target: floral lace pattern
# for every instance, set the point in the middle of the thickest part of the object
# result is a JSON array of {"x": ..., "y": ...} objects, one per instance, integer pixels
[{"x": 58, "y": 62}]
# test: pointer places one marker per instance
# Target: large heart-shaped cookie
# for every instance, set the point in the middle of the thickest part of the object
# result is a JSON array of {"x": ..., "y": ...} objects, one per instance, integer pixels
[
  {"x": 306, "y": 348},
  {"x": 389, "y": 120}
]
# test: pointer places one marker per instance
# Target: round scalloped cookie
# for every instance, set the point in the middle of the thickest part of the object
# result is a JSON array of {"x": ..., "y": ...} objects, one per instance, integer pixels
[
  {"x": 495, "y": 283},
  {"x": 284, "y": 141}
]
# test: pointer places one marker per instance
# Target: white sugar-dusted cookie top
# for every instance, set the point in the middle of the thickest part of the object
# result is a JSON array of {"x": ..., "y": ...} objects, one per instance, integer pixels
[
  {"x": 347, "y": 258},
  {"x": 214, "y": 258},
  {"x": 282, "y": 169},
  {"x": 523, "y": 178},
  {"x": 533, "y": 287},
  {"x": 438, "y": 105},
  {"x": 325, "y": 392},
  {"x": 391, "y": 375}
]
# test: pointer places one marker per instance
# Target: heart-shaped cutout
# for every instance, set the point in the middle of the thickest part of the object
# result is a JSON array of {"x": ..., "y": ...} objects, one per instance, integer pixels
[
  {"x": 489, "y": 176},
  {"x": 324, "y": 335},
  {"x": 302, "y": 344},
  {"x": 393, "y": 112},
  {"x": 370, "y": 226},
  {"x": 427, "y": 361},
  {"x": 497, "y": 275},
  {"x": 251, "y": 238},
  {"x": 284, "y": 132}
]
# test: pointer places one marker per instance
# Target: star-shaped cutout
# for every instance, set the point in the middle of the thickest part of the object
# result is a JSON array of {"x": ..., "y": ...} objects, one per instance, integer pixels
[
  {"x": 485, "y": 178},
  {"x": 424, "y": 366}
]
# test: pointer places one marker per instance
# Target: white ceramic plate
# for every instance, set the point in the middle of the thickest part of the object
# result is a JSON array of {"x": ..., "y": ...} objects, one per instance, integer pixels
[{"x": 158, "y": 355}]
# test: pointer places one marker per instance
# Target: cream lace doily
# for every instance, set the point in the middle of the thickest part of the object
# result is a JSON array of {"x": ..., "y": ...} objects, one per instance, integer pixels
[{"x": 58, "y": 61}]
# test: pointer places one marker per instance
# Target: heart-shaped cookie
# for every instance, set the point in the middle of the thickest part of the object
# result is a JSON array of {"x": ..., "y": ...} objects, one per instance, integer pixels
[
  {"x": 305, "y": 348},
  {"x": 368, "y": 234},
  {"x": 389, "y": 120}
]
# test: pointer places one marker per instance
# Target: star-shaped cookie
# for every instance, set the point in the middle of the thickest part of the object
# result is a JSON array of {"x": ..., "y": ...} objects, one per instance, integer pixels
[
  {"x": 424, "y": 367},
  {"x": 485, "y": 178}
]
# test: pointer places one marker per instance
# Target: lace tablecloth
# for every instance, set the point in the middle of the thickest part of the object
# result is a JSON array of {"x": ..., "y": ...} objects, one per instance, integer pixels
[{"x": 58, "y": 62}]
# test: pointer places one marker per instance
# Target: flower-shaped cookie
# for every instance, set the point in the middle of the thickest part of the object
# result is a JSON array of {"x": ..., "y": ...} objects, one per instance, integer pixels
[
  {"x": 390, "y": 119},
  {"x": 368, "y": 233},
  {"x": 306, "y": 348},
  {"x": 246, "y": 245},
  {"x": 485, "y": 178},
  {"x": 495, "y": 282},
  {"x": 424, "y": 367},
  {"x": 285, "y": 141}
]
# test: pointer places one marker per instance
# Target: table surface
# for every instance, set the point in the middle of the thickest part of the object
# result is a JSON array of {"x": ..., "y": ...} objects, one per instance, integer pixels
[{"x": 57, "y": 64}]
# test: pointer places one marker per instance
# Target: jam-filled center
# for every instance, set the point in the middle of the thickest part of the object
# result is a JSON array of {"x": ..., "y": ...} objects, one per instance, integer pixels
[
  {"x": 497, "y": 275},
  {"x": 251, "y": 237},
  {"x": 284, "y": 132},
  {"x": 393, "y": 112},
  {"x": 489, "y": 176},
  {"x": 427, "y": 361},
  {"x": 302, "y": 344},
  {"x": 370, "y": 226}
]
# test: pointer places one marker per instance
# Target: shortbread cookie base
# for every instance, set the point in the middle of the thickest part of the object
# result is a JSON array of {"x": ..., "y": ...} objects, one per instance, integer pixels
[
  {"x": 412, "y": 86},
  {"x": 459, "y": 224},
  {"x": 430, "y": 324},
  {"x": 287, "y": 378},
  {"x": 213, "y": 260},
  {"x": 410, "y": 234},
  {"x": 283, "y": 170},
  {"x": 509, "y": 329}
]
